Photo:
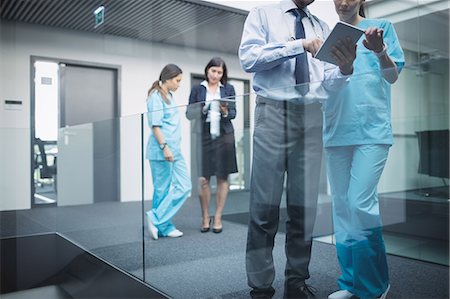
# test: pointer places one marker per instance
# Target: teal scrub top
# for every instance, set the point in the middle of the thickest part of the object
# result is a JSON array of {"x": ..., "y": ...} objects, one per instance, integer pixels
[
  {"x": 361, "y": 112},
  {"x": 167, "y": 117}
]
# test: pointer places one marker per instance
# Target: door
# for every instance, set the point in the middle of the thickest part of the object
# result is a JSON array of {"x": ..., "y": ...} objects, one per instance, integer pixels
[{"x": 88, "y": 139}]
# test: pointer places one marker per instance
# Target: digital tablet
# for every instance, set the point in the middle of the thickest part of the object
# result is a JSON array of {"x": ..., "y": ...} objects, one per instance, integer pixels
[{"x": 340, "y": 31}]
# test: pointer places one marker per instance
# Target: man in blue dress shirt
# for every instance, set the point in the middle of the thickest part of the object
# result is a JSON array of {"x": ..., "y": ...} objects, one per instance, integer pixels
[{"x": 278, "y": 45}]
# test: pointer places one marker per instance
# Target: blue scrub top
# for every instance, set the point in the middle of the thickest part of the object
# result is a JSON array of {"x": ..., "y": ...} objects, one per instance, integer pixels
[
  {"x": 361, "y": 112},
  {"x": 167, "y": 117}
]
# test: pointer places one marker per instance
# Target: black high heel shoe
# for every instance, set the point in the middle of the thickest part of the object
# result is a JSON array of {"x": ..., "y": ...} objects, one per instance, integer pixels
[
  {"x": 206, "y": 229},
  {"x": 217, "y": 230}
]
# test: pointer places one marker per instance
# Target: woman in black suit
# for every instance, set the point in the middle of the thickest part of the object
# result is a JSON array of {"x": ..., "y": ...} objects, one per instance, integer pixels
[{"x": 218, "y": 152}]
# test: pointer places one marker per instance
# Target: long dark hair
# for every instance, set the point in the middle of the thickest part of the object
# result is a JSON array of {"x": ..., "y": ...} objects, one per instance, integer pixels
[
  {"x": 361, "y": 9},
  {"x": 168, "y": 72},
  {"x": 217, "y": 61}
]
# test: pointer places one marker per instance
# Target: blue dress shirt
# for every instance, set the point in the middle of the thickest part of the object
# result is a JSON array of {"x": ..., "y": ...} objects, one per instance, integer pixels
[{"x": 268, "y": 49}]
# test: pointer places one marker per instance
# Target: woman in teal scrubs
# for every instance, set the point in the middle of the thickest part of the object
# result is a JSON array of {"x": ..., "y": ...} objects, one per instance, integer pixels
[
  {"x": 357, "y": 137},
  {"x": 171, "y": 182}
]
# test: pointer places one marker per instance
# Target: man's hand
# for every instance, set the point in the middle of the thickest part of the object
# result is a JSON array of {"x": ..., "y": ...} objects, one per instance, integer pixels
[
  {"x": 312, "y": 45},
  {"x": 344, "y": 52}
]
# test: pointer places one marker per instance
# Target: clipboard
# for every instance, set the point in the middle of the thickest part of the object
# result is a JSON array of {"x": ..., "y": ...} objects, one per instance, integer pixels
[{"x": 340, "y": 31}]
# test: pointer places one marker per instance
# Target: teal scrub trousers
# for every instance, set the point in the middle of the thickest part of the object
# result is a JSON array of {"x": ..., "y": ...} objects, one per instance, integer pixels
[
  {"x": 172, "y": 187},
  {"x": 354, "y": 173}
]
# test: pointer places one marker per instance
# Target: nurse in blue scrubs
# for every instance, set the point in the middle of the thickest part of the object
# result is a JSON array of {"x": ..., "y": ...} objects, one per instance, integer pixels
[
  {"x": 171, "y": 181},
  {"x": 357, "y": 137}
]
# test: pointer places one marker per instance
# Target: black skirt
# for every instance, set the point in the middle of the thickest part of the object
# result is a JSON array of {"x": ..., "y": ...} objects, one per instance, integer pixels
[{"x": 218, "y": 156}]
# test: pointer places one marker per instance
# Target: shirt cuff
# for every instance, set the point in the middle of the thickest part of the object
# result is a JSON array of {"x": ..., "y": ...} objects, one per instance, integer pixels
[{"x": 294, "y": 47}]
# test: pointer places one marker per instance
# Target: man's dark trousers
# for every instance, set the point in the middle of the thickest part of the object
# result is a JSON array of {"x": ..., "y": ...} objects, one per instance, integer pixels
[{"x": 287, "y": 140}]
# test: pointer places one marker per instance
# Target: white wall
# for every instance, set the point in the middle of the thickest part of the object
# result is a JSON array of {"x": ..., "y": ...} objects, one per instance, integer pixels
[
  {"x": 140, "y": 64},
  {"x": 14, "y": 165}
]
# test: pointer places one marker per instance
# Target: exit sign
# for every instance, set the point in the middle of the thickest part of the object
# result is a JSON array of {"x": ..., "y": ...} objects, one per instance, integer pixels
[{"x": 99, "y": 15}]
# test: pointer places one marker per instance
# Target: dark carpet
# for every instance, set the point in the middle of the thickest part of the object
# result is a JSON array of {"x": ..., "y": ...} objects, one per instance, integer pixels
[{"x": 203, "y": 265}]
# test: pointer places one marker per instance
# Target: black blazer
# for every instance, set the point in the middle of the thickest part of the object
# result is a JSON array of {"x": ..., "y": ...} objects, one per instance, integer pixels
[{"x": 194, "y": 111}]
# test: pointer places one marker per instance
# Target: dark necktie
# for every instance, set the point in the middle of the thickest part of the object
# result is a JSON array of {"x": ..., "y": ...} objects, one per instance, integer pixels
[{"x": 301, "y": 61}]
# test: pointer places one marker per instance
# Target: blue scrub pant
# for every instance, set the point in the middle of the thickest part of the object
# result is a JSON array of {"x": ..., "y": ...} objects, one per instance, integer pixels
[
  {"x": 354, "y": 173},
  {"x": 172, "y": 186}
]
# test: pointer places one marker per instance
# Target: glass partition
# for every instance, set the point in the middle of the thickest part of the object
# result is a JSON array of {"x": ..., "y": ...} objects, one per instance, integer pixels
[
  {"x": 99, "y": 190},
  {"x": 104, "y": 209},
  {"x": 416, "y": 174},
  {"x": 101, "y": 185},
  {"x": 203, "y": 254},
  {"x": 16, "y": 218},
  {"x": 174, "y": 265}
]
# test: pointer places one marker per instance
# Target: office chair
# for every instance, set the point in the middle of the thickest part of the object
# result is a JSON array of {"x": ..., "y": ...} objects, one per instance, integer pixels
[{"x": 46, "y": 171}]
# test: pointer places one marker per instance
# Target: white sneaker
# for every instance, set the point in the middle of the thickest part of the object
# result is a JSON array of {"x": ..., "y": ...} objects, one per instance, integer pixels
[
  {"x": 175, "y": 234},
  {"x": 152, "y": 229},
  {"x": 383, "y": 296},
  {"x": 342, "y": 294}
]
